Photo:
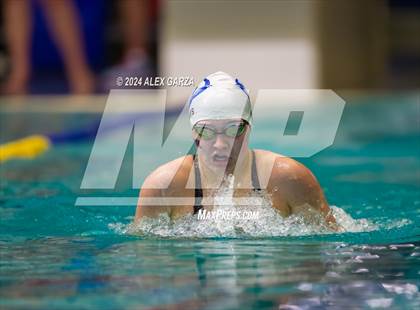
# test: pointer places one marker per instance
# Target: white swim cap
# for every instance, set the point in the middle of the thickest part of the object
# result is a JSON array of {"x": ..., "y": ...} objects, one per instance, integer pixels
[{"x": 219, "y": 96}]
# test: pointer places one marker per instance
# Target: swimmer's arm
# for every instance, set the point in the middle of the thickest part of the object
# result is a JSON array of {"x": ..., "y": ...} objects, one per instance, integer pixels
[
  {"x": 307, "y": 196},
  {"x": 148, "y": 203},
  {"x": 304, "y": 194}
]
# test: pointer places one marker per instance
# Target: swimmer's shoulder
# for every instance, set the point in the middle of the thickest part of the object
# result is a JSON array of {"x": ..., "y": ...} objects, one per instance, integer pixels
[
  {"x": 282, "y": 169},
  {"x": 293, "y": 186},
  {"x": 168, "y": 180},
  {"x": 293, "y": 180},
  {"x": 171, "y": 174}
]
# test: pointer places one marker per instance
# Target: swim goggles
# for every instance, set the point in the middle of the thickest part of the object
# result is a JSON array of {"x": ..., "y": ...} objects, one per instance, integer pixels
[{"x": 231, "y": 131}]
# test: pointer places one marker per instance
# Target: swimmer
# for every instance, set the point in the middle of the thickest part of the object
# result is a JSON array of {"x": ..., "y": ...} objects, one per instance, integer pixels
[{"x": 221, "y": 121}]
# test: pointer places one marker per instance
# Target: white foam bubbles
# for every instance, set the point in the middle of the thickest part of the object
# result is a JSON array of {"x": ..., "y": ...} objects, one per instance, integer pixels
[{"x": 269, "y": 222}]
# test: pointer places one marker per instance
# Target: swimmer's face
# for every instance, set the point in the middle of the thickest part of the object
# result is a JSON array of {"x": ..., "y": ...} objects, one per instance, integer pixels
[{"x": 221, "y": 142}]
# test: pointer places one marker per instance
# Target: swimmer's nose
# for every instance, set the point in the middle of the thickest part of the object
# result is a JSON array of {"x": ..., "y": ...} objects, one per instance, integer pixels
[{"x": 220, "y": 142}]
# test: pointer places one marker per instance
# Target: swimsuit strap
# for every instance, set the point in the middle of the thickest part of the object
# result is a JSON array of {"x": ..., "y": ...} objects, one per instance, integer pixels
[
  {"x": 255, "y": 180},
  {"x": 198, "y": 192}
]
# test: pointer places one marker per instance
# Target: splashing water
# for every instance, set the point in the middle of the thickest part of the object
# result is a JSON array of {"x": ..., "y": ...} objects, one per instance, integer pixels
[{"x": 266, "y": 222}]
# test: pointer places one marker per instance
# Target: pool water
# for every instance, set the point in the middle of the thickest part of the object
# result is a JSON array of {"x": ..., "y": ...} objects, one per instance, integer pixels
[{"x": 56, "y": 255}]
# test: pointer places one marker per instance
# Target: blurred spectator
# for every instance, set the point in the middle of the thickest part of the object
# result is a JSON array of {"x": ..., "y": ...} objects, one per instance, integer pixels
[
  {"x": 63, "y": 19},
  {"x": 135, "y": 21}
]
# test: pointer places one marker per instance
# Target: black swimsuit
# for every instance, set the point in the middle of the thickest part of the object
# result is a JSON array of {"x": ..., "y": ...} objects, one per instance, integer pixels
[{"x": 199, "y": 191}]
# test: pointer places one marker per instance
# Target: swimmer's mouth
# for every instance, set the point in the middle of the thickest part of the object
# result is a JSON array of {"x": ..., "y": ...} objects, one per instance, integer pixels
[{"x": 220, "y": 158}]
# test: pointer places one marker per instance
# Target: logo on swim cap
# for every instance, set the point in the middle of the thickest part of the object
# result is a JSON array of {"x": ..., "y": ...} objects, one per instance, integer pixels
[{"x": 219, "y": 96}]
